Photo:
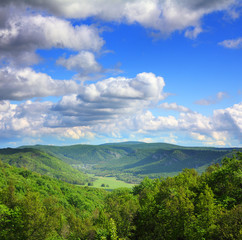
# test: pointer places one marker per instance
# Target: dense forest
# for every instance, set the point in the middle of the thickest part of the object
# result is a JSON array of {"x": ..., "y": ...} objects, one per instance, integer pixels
[
  {"x": 43, "y": 163},
  {"x": 132, "y": 161},
  {"x": 186, "y": 206}
]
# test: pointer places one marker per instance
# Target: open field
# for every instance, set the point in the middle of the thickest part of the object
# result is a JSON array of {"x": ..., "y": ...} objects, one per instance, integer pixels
[{"x": 110, "y": 183}]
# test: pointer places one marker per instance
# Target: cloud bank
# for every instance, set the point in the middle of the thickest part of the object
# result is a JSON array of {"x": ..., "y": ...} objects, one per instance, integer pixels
[
  {"x": 24, "y": 83},
  {"x": 40, "y": 120},
  {"x": 22, "y": 33},
  {"x": 109, "y": 106},
  {"x": 163, "y": 15}
]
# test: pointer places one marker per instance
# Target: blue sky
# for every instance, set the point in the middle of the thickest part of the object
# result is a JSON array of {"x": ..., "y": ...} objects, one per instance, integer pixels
[{"x": 99, "y": 71}]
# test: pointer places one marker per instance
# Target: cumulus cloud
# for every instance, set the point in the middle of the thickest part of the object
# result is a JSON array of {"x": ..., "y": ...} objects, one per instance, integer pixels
[
  {"x": 25, "y": 83},
  {"x": 165, "y": 16},
  {"x": 229, "y": 120},
  {"x": 30, "y": 119},
  {"x": 174, "y": 107},
  {"x": 212, "y": 100},
  {"x": 21, "y": 34},
  {"x": 198, "y": 136},
  {"x": 39, "y": 119},
  {"x": 110, "y": 105},
  {"x": 195, "y": 122},
  {"x": 232, "y": 43},
  {"x": 218, "y": 129},
  {"x": 110, "y": 99},
  {"x": 4, "y": 106},
  {"x": 115, "y": 105},
  {"x": 84, "y": 63}
]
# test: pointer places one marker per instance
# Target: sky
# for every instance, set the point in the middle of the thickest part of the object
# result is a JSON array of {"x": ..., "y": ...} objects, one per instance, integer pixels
[{"x": 92, "y": 72}]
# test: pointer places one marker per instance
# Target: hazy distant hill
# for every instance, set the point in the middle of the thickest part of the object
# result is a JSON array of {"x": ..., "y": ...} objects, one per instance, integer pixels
[
  {"x": 137, "y": 158},
  {"x": 43, "y": 163}
]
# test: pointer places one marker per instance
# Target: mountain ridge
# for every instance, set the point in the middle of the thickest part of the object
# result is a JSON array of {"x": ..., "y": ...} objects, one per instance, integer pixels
[
  {"x": 42, "y": 163},
  {"x": 129, "y": 160}
]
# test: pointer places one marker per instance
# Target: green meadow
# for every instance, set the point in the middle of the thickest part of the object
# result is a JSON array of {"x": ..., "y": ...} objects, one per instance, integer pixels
[{"x": 110, "y": 183}]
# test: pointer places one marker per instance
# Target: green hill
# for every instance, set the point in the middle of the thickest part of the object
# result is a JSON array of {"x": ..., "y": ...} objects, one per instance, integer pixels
[
  {"x": 132, "y": 161},
  {"x": 186, "y": 206},
  {"x": 39, "y": 207},
  {"x": 43, "y": 163}
]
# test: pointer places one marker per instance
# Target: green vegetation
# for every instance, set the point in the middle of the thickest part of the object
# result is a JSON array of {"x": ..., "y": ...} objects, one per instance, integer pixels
[
  {"x": 40, "y": 207},
  {"x": 190, "y": 206},
  {"x": 186, "y": 206},
  {"x": 43, "y": 163},
  {"x": 132, "y": 161},
  {"x": 110, "y": 183}
]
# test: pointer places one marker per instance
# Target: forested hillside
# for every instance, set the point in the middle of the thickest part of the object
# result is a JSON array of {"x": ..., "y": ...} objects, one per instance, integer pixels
[
  {"x": 40, "y": 207},
  {"x": 132, "y": 161},
  {"x": 183, "y": 207},
  {"x": 43, "y": 163}
]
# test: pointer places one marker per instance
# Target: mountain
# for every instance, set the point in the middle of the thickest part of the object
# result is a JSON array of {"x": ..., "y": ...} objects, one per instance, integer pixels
[
  {"x": 137, "y": 159},
  {"x": 39, "y": 207},
  {"x": 43, "y": 163},
  {"x": 186, "y": 206}
]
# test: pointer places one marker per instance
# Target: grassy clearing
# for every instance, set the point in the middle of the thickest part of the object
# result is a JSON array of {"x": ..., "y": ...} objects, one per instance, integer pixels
[{"x": 110, "y": 183}]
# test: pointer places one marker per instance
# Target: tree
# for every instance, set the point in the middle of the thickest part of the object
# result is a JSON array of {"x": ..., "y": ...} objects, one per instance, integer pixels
[{"x": 122, "y": 205}]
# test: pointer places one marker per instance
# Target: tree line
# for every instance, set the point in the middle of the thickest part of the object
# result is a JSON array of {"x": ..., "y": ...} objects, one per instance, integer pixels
[{"x": 186, "y": 206}]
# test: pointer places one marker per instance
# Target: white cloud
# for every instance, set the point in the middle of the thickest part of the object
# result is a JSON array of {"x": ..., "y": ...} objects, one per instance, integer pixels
[
  {"x": 195, "y": 122},
  {"x": 4, "y": 106},
  {"x": 165, "y": 16},
  {"x": 221, "y": 95},
  {"x": 84, "y": 63},
  {"x": 19, "y": 84},
  {"x": 198, "y": 136},
  {"x": 174, "y": 107},
  {"x": 28, "y": 120},
  {"x": 224, "y": 126},
  {"x": 216, "y": 143},
  {"x": 38, "y": 119},
  {"x": 21, "y": 34},
  {"x": 171, "y": 138},
  {"x": 193, "y": 33},
  {"x": 19, "y": 124},
  {"x": 110, "y": 99},
  {"x": 232, "y": 43},
  {"x": 97, "y": 105},
  {"x": 78, "y": 132},
  {"x": 111, "y": 105},
  {"x": 212, "y": 100},
  {"x": 229, "y": 119}
]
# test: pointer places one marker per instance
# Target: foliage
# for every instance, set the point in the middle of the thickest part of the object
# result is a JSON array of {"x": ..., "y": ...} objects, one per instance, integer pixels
[
  {"x": 131, "y": 161},
  {"x": 188, "y": 206},
  {"x": 43, "y": 163},
  {"x": 40, "y": 207},
  {"x": 121, "y": 205}
]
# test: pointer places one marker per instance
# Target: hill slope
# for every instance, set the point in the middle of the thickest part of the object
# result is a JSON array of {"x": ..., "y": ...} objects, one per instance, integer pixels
[
  {"x": 38, "y": 207},
  {"x": 137, "y": 158},
  {"x": 43, "y": 163},
  {"x": 187, "y": 206}
]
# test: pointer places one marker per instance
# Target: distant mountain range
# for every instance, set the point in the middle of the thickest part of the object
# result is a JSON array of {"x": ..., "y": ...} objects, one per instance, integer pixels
[{"x": 135, "y": 159}]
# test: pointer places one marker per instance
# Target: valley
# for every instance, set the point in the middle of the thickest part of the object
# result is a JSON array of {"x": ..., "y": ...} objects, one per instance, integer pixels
[
  {"x": 44, "y": 197},
  {"x": 132, "y": 161}
]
